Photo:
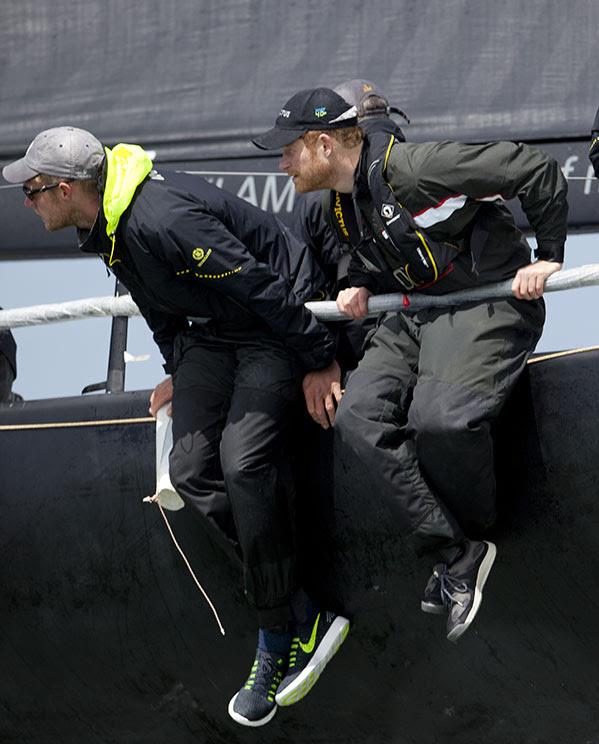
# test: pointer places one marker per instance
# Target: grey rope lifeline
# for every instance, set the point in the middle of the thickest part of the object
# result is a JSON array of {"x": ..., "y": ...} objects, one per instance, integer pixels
[
  {"x": 97, "y": 307},
  {"x": 583, "y": 276}
]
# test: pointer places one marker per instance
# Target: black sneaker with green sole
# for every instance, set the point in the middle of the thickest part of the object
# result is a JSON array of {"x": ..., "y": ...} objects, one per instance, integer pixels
[
  {"x": 312, "y": 647},
  {"x": 254, "y": 704}
]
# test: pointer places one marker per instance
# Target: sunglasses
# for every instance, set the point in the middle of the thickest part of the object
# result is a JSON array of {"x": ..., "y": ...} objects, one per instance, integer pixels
[{"x": 30, "y": 193}]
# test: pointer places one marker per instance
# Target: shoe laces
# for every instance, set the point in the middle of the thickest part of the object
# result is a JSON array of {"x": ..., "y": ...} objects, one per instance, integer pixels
[
  {"x": 293, "y": 651},
  {"x": 266, "y": 675},
  {"x": 449, "y": 587}
]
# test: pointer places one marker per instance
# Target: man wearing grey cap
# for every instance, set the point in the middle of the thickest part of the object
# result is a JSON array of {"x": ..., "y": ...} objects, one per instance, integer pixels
[
  {"x": 65, "y": 159},
  {"x": 418, "y": 411},
  {"x": 222, "y": 285}
]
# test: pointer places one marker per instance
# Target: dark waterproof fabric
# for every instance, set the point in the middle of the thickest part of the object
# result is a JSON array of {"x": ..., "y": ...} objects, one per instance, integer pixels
[
  {"x": 455, "y": 192},
  {"x": 7, "y": 377},
  {"x": 594, "y": 147},
  {"x": 419, "y": 408},
  {"x": 8, "y": 348},
  {"x": 8, "y": 364},
  {"x": 418, "y": 412},
  {"x": 185, "y": 248},
  {"x": 232, "y": 414},
  {"x": 309, "y": 224}
]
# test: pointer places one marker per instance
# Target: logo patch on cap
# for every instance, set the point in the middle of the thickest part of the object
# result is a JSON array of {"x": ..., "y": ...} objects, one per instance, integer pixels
[
  {"x": 285, "y": 113},
  {"x": 320, "y": 111}
]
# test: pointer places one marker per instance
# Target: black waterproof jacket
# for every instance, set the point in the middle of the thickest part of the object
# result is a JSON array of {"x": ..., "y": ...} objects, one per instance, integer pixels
[{"x": 187, "y": 249}]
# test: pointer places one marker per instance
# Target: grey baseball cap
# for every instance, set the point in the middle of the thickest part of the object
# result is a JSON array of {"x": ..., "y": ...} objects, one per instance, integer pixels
[
  {"x": 66, "y": 152},
  {"x": 357, "y": 92}
]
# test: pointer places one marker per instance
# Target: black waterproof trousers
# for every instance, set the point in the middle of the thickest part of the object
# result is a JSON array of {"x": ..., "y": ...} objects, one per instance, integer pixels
[
  {"x": 418, "y": 410},
  {"x": 7, "y": 377},
  {"x": 232, "y": 407}
]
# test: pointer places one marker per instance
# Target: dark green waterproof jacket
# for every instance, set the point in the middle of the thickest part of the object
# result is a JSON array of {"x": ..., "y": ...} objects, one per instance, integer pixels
[{"x": 457, "y": 193}]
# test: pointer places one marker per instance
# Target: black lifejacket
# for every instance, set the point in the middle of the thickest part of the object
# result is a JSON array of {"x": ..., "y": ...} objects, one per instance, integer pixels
[{"x": 381, "y": 232}]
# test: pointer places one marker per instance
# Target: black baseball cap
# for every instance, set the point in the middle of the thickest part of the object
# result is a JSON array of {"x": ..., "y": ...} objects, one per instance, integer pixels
[{"x": 317, "y": 109}]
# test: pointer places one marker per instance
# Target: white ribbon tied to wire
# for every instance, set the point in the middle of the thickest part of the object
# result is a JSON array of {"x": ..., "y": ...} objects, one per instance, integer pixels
[{"x": 123, "y": 306}]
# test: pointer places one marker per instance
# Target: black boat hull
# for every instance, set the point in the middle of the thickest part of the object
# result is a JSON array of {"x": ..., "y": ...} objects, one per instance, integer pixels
[{"x": 105, "y": 639}]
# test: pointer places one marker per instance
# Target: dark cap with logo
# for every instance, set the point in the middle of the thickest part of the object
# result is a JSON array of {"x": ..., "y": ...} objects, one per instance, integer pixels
[{"x": 318, "y": 109}]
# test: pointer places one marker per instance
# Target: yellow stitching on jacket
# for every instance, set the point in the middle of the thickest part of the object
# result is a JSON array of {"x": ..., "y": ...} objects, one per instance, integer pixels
[
  {"x": 183, "y": 271},
  {"x": 218, "y": 276}
]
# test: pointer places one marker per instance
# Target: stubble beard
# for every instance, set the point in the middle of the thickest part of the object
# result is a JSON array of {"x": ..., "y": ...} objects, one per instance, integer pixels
[
  {"x": 54, "y": 224},
  {"x": 58, "y": 219},
  {"x": 316, "y": 176}
]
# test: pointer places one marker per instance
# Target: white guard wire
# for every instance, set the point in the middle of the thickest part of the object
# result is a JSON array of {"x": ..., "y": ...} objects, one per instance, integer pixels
[{"x": 97, "y": 307}]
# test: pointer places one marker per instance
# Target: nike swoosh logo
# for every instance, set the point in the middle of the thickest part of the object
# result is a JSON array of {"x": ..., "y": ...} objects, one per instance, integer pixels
[{"x": 307, "y": 648}]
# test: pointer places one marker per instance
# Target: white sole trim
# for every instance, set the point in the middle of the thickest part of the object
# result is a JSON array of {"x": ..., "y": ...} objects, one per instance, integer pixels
[
  {"x": 481, "y": 580},
  {"x": 327, "y": 648},
  {"x": 246, "y": 721}
]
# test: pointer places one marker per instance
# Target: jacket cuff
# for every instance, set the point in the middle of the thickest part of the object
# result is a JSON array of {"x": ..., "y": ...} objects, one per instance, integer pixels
[
  {"x": 550, "y": 250},
  {"x": 364, "y": 280},
  {"x": 314, "y": 360}
]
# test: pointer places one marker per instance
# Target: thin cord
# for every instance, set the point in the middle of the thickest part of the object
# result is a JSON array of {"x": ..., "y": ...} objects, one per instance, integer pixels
[{"x": 154, "y": 499}]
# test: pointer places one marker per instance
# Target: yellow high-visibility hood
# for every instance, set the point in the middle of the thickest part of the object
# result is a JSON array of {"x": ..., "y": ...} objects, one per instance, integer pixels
[{"x": 126, "y": 167}]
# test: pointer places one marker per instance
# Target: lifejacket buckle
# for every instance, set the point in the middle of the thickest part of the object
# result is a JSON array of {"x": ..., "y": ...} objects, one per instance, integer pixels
[{"x": 404, "y": 279}]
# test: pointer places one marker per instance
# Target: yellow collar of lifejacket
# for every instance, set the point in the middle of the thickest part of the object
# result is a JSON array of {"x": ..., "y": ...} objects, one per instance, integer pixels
[{"x": 126, "y": 167}]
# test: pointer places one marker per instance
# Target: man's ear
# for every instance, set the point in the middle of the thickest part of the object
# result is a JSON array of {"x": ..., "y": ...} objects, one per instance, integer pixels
[
  {"x": 326, "y": 143},
  {"x": 66, "y": 190}
]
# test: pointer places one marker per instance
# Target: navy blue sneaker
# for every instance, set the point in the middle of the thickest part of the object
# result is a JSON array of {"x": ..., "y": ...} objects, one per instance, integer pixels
[
  {"x": 462, "y": 585},
  {"x": 312, "y": 647},
  {"x": 254, "y": 704}
]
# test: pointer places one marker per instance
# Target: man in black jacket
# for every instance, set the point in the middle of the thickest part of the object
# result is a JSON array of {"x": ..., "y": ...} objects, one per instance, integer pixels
[
  {"x": 222, "y": 285},
  {"x": 8, "y": 367},
  {"x": 419, "y": 408}
]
